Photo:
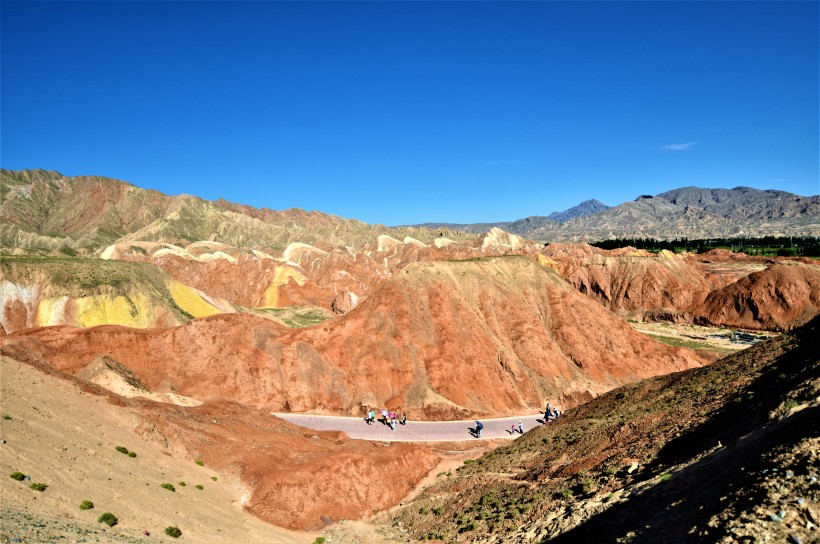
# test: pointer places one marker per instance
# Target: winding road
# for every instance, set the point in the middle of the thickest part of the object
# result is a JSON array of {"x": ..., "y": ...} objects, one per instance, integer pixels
[{"x": 414, "y": 431}]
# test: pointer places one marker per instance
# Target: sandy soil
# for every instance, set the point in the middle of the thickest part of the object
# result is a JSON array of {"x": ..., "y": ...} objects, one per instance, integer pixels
[{"x": 60, "y": 436}]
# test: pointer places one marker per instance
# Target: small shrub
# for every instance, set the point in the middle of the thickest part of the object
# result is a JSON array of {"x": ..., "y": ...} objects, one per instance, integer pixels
[
  {"x": 200, "y": 462},
  {"x": 566, "y": 493},
  {"x": 132, "y": 454},
  {"x": 320, "y": 540},
  {"x": 587, "y": 485},
  {"x": 469, "y": 461},
  {"x": 168, "y": 486},
  {"x": 6, "y": 416},
  {"x": 214, "y": 478},
  {"x": 182, "y": 484},
  {"x": 108, "y": 518},
  {"x": 86, "y": 505},
  {"x": 173, "y": 532},
  {"x": 611, "y": 469},
  {"x": 37, "y": 486},
  {"x": 437, "y": 511},
  {"x": 199, "y": 487},
  {"x": 665, "y": 477},
  {"x": 19, "y": 476},
  {"x": 122, "y": 449}
]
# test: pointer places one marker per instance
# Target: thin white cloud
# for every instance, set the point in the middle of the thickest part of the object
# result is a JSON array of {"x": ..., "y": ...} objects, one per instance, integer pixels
[{"x": 680, "y": 147}]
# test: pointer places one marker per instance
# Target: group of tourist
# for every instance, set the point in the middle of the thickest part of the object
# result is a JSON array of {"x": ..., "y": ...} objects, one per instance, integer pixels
[
  {"x": 551, "y": 413},
  {"x": 388, "y": 418}
]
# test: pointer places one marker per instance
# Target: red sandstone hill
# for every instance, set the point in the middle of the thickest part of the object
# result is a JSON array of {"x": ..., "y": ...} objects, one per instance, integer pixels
[
  {"x": 444, "y": 339},
  {"x": 781, "y": 297},
  {"x": 633, "y": 282},
  {"x": 716, "y": 288}
]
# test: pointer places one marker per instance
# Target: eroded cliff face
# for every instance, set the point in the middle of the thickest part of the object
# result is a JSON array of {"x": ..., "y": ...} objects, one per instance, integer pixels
[
  {"x": 440, "y": 339},
  {"x": 633, "y": 282}
]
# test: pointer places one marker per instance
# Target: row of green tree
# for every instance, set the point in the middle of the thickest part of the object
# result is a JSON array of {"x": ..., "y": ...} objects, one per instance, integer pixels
[{"x": 784, "y": 246}]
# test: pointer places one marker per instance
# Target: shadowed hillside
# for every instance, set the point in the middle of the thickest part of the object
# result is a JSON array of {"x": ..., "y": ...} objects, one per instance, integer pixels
[{"x": 720, "y": 452}]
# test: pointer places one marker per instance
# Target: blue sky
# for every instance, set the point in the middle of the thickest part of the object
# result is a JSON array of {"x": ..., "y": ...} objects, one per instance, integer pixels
[{"x": 407, "y": 112}]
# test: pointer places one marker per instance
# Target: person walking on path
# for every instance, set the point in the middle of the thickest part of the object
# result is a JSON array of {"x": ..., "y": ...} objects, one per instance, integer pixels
[
  {"x": 403, "y": 418},
  {"x": 520, "y": 427},
  {"x": 384, "y": 416},
  {"x": 478, "y": 428},
  {"x": 371, "y": 417}
]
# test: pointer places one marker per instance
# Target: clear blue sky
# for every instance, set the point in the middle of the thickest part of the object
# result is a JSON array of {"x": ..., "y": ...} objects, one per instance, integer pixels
[{"x": 407, "y": 112}]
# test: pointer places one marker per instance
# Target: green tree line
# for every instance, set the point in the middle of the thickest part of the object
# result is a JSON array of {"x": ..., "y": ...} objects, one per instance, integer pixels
[{"x": 784, "y": 246}]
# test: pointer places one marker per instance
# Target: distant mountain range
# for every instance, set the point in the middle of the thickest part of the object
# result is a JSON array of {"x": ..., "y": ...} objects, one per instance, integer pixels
[
  {"x": 46, "y": 212},
  {"x": 690, "y": 212}
]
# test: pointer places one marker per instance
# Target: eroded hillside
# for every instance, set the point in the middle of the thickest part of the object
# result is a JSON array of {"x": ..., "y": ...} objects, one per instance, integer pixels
[{"x": 440, "y": 339}]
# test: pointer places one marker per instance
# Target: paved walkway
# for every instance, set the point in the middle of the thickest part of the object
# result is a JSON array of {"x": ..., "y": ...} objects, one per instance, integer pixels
[{"x": 414, "y": 431}]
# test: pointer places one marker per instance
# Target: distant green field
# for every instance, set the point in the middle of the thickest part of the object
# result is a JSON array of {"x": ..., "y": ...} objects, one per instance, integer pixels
[{"x": 298, "y": 317}]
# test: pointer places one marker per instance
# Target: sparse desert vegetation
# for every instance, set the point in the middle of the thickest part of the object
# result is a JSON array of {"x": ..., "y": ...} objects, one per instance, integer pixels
[{"x": 108, "y": 518}]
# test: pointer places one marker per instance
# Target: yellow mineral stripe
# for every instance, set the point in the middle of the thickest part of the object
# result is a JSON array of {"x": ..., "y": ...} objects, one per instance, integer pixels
[
  {"x": 189, "y": 300},
  {"x": 281, "y": 276},
  {"x": 51, "y": 311},
  {"x": 132, "y": 311}
]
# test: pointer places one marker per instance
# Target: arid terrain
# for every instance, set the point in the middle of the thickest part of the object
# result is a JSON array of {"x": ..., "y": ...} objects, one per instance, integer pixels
[{"x": 175, "y": 327}]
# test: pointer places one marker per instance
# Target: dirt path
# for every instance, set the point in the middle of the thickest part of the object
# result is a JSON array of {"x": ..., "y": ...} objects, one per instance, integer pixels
[{"x": 414, "y": 431}]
